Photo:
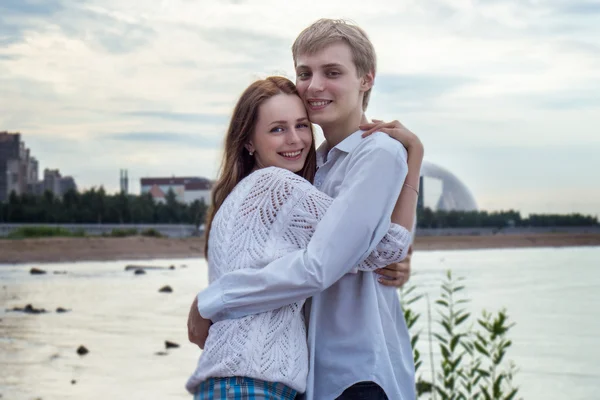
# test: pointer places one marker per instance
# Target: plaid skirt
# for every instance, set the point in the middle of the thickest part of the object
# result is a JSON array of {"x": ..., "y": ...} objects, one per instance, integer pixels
[{"x": 241, "y": 388}]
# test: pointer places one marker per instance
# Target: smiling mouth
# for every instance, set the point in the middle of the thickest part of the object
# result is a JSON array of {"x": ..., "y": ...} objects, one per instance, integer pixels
[
  {"x": 318, "y": 103},
  {"x": 291, "y": 154}
]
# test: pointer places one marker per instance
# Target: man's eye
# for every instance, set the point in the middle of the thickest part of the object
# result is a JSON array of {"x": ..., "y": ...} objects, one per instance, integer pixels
[
  {"x": 303, "y": 75},
  {"x": 333, "y": 73}
]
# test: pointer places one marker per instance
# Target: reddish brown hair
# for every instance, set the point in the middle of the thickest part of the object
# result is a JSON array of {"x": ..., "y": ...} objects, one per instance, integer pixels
[{"x": 237, "y": 163}]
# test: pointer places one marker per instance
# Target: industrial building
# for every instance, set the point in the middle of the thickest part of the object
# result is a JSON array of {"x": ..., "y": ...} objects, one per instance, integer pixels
[
  {"x": 442, "y": 190},
  {"x": 186, "y": 189}
]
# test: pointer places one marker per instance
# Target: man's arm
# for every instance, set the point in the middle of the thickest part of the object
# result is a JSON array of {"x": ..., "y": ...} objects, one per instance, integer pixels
[
  {"x": 198, "y": 327},
  {"x": 352, "y": 226}
]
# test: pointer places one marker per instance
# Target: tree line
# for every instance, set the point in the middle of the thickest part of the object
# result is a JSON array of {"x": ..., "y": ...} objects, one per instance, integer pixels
[
  {"x": 96, "y": 206},
  {"x": 428, "y": 218}
]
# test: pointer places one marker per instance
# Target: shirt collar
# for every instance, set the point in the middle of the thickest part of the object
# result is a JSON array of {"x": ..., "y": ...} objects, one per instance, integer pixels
[
  {"x": 346, "y": 146},
  {"x": 350, "y": 143}
]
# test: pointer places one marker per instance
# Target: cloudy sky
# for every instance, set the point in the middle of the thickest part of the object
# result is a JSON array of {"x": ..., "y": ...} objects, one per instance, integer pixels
[{"x": 503, "y": 93}]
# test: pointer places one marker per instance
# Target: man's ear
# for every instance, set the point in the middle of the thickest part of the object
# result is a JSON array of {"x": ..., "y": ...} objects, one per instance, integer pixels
[{"x": 367, "y": 81}]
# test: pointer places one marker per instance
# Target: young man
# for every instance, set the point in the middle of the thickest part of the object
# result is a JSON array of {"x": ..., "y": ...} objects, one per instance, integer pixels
[{"x": 359, "y": 345}]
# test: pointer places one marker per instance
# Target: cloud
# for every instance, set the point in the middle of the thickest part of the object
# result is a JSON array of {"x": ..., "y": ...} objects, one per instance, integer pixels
[
  {"x": 579, "y": 8},
  {"x": 245, "y": 40},
  {"x": 185, "y": 139},
  {"x": 96, "y": 26},
  {"x": 180, "y": 117},
  {"x": 244, "y": 48},
  {"x": 108, "y": 32},
  {"x": 17, "y": 17},
  {"x": 8, "y": 57},
  {"x": 572, "y": 100},
  {"x": 17, "y": 87},
  {"x": 420, "y": 86},
  {"x": 30, "y": 7},
  {"x": 415, "y": 93}
]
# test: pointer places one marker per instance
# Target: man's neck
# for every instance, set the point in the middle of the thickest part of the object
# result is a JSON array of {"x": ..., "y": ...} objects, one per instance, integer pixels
[{"x": 336, "y": 133}]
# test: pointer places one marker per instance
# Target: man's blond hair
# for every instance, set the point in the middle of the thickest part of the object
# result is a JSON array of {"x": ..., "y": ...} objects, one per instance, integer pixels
[{"x": 325, "y": 32}]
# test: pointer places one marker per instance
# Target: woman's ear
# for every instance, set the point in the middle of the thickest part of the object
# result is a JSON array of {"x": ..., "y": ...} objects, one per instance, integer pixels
[{"x": 250, "y": 147}]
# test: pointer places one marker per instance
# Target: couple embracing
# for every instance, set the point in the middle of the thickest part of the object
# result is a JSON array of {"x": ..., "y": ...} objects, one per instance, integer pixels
[{"x": 306, "y": 247}]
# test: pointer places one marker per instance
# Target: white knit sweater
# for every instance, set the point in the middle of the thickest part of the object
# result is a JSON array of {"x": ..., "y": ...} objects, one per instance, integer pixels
[{"x": 270, "y": 213}]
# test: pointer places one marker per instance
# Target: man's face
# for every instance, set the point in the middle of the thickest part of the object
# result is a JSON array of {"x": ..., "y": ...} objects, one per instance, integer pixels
[{"x": 329, "y": 84}]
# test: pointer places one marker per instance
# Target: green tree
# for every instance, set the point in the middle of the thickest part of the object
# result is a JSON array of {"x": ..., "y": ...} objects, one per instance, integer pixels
[
  {"x": 143, "y": 209},
  {"x": 71, "y": 203},
  {"x": 197, "y": 212}
]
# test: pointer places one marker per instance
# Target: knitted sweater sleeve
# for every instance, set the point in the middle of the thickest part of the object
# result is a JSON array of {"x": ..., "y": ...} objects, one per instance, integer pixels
[{"x": 309, "y": 210}]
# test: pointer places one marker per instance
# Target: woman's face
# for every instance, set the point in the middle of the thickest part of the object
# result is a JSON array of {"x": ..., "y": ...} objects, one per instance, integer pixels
[{"x": 282, "y": 136}]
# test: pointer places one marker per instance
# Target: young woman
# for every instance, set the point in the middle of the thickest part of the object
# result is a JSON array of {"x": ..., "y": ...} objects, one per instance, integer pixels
[{"x": 263, "y": 207}]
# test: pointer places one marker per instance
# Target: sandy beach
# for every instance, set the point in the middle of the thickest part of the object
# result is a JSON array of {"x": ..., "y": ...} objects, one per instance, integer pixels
[
  {"x": 140, "y": 248},
  {"x": 98, "y": 249}
]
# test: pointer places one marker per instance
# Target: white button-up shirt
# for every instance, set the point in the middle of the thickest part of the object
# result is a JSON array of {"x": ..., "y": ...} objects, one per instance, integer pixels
[{"x": 356, "y": 328}]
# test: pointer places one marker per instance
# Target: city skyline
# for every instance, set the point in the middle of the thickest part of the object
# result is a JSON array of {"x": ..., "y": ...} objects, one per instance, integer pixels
[
  {"x": 505, "y": 94},
  {"x": 19, "y": 171}
]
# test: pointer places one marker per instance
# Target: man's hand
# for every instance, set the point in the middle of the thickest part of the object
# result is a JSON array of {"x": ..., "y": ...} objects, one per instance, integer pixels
[
  {"x": 396, "y": 274},
  {"x": 197, "y": 326}
]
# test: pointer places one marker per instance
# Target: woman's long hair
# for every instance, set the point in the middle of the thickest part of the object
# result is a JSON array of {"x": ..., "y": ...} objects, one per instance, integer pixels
[{"x": 237, "y": 163}]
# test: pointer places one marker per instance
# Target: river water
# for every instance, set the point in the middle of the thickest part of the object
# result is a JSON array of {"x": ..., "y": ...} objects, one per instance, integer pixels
[{"x": 553, "y": 295}]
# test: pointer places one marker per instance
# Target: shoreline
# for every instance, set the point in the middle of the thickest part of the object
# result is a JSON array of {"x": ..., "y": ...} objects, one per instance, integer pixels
[{"x": 54, "y": 250}]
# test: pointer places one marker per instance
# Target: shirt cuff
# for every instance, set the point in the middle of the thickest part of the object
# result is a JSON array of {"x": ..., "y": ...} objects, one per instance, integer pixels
[
  {"x": 400, "y": 233},
  {"x": 210, "y": 302}
]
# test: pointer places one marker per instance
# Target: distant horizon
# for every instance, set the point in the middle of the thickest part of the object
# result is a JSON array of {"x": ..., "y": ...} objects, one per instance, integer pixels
[{"x": 504, "y": 94}]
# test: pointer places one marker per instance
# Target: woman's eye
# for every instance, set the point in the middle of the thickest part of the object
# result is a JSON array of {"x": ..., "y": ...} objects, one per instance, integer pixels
[
  {"x": 302, "y": 126},
  {"x": 277, "y": 129}
]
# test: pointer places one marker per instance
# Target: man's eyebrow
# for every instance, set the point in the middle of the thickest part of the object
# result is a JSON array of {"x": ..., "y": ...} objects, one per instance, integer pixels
[{"x": 328, "y": 65}]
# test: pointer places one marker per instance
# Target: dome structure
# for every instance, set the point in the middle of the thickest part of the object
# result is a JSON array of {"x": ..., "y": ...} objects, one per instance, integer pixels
[{"x": 442, "y": 190}]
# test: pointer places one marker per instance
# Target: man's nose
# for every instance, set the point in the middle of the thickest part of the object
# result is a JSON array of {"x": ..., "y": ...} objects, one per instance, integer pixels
[{"x": 316, "y": 83}]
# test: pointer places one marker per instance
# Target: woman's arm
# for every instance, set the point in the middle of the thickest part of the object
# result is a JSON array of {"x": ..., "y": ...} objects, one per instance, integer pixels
[
  {"x": 294, "y": 232},
  {"x": 308, "y": 212},
  {"x": 404, "y": 214},
  {"x": 406, "y": 206},
  {"x": 390, "y": 250},
  {"x": 352, "y": 227}
]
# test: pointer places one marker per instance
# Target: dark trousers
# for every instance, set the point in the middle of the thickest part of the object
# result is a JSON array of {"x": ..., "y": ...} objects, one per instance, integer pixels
[{"x": 363, "y": 391}]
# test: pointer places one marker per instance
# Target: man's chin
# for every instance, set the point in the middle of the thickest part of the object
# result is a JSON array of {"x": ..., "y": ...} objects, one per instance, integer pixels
[{"x": 318, "y": 118}]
